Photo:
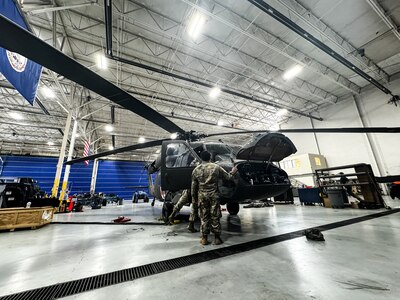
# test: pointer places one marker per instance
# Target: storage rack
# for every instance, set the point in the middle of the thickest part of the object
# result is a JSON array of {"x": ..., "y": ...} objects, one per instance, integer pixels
[{"x": 366, "y": 181}]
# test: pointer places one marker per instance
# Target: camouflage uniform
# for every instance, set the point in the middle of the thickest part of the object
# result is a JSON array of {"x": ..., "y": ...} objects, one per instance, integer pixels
[
  {"x": 205, "y": 189},
  {"x": 185, "y": 198}
]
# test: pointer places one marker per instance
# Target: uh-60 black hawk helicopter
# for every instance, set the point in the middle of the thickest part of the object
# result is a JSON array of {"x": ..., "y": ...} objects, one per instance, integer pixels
[{"x": 257, "y": 177}]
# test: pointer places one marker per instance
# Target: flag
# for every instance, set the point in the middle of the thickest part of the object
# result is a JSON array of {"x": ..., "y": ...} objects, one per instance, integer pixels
[
  {"x": 86, "y": 151},
  {"x": 21, "y": 72}
]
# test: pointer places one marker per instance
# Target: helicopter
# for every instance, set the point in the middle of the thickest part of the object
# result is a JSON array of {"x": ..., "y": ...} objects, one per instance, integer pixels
[{"x": 257, "y": 178}]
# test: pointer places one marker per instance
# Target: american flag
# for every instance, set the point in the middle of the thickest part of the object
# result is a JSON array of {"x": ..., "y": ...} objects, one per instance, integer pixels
[{"x": 86, "y": 151}]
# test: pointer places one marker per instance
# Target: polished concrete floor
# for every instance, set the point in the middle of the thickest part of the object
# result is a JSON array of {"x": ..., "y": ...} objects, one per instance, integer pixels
[{"x": 359, "y": 261}]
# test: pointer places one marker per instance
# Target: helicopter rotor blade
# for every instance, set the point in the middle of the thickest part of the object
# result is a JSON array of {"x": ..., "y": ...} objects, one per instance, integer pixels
[
  {"x": 116, "y": 151},
  {"x": 319, "y": 130},
  {"x": 16, "y": 39}
]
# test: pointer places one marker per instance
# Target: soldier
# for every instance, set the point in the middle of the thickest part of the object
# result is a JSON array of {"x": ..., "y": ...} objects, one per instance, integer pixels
[
  {"x": 205, "y": 191},
  {"x": 185, "y": 197},
  {"x": 344, "y": 180}
]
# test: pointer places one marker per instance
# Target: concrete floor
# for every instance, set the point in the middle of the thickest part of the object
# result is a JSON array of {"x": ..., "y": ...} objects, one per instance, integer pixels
[{"x": 358, "y": 261}]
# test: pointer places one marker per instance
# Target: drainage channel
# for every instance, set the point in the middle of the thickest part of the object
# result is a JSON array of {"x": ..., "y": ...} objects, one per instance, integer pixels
[
  {"x": 109, "y": 223},
  {"x": 78, "y": 286}
]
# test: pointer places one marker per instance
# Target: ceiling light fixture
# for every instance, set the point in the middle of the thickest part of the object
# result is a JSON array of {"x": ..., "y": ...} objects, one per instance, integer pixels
[
  {"x": 292, "y": 72},
  {"x": 174, "y": 136},
  {"x": 109, "y": 128},
  {"x": 48, "y": 92},
  {"x": 16, "y": 116},
  {"x": 214, "y": 92},
  {"x": 110, "y": 147},
  {"x": 195, "y": 25},
  {"x": 220, "y": 123},
  {"x": 77, "y": 135},
  {"x": 50, "y": 143},
  {"x": 141, "y": 139},
  {"x": 101, "y": 61},
  {"x": 282, "y": 112}
]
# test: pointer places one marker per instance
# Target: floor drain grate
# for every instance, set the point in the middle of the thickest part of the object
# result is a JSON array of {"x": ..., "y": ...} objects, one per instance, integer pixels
[{"x": 69, "y": 288}]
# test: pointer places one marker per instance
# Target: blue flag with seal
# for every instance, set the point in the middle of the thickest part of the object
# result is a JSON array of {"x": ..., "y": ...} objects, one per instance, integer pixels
[{"x": 21, "y": 72}]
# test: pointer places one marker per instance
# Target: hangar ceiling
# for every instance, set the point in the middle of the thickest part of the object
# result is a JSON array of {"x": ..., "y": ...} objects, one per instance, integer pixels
[{"x": 239, "y": 48}]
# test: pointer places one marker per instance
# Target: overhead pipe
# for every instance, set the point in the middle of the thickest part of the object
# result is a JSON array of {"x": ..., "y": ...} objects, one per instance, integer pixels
[
  {"x": 313, "y": 40},
  {"x": 109, "y": 54}
]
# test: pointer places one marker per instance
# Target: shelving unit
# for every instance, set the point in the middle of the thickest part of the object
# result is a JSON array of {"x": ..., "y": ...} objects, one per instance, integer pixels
[{"x": 366, "y": 181}]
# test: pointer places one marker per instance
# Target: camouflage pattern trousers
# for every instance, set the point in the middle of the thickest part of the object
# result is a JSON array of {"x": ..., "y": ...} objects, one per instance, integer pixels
[
  {"x": 185, "y": 198},
  {"x": 210, "y": 213}
]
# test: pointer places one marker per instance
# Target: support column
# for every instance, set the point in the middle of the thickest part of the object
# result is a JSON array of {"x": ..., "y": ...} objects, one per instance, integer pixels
[
  {"x": 68, "y": 167},
  {"x": 60, "y": 164},
  {"x": 94, "y": 176},
  {"x": 315, "y": 136},
  {"x": 371, "y": 145}
]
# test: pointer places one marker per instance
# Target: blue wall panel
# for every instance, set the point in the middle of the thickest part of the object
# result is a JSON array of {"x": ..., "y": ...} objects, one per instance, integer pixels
[
  {"x": 80, "y": 178},
  {"x": 42, "y": 169},
  {"x": 113, "y": 176},
  {"x": 117, "y": 176}
]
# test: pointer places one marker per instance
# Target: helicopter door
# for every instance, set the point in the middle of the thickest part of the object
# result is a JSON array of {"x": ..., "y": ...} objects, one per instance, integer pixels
[{"x": 178, "y": 160}]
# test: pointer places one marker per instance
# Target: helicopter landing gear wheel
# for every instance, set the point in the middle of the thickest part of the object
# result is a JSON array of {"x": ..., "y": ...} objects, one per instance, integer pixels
[
  {"x": 167, "y": 211},
  {"x": 233, "y": 208}
]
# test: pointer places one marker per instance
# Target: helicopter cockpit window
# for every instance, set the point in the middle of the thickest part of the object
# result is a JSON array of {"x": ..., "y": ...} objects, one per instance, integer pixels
[
  {"x": 219, "y": 152},
  {"x": 178, "y": 155}
]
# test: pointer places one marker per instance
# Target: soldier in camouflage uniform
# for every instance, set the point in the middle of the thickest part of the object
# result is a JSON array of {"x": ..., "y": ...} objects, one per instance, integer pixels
[
  {"x": 205, "y": 190},
  {"x": 185, "y": 197}
]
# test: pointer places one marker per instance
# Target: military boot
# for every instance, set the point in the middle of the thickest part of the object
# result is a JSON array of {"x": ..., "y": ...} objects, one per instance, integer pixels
[
  {"x": 204, "y": 240},
  {"x": 191, "y": 227},
  {"x": 218, "y": 240},
  {"x": 171, "y": 217}
]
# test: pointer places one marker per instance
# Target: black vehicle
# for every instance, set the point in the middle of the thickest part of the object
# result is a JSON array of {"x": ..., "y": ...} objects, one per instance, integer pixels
[
  {"x": 258, "y": 178},
  {"x": 140, "y": 195},
  {"x": 18, "y": 191}
]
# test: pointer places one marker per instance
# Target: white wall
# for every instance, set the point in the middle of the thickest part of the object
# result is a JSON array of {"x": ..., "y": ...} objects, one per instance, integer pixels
[{"x": 343, "y": 149}]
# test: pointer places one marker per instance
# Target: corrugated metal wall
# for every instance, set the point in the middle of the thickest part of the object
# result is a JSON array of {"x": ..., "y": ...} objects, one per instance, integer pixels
[
  {"x": 120, "y": 176},
  {"x": 113, "y": 176}
]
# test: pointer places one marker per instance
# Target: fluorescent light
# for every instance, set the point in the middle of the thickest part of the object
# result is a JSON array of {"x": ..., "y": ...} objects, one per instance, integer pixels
[
  {"x": 174, "y": 136},
  {"x": 141, "y": 139},
  {"x": 292, "y": 72},
  {"x": 16, "y": 116},
  {"x": 195, "y": 25},
  {"x": 110, "y": 147},
  {"x": 220, "y": 123},
  {"x": 214, "y": 92},
  {"x": 109, "y": 128},
  {"x": 50, "y": 143},
  {"x": 101, "y": 61},
  {"x": 282, "y": 112},
  {"x": 48, "y": 92}
]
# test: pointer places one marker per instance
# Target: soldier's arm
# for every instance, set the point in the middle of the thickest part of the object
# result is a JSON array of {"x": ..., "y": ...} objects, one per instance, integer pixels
[
  {"x": 225, "y": 175},
  {"x": 195, "y": 187}
]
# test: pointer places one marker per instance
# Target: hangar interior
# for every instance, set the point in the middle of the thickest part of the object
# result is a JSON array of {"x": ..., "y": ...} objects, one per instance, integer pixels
[{"x": 309, "y": 70}]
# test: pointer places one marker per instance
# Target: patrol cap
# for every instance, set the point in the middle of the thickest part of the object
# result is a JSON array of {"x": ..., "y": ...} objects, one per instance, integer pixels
[{"x": 205, "y": 156}]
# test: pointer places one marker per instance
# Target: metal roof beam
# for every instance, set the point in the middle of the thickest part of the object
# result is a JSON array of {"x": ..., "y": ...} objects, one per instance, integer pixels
[
  {"x": 306, "y": 35},
  {"x": 262, "y": 36},
  {"x": 348, "y": 49},
  {"x": 385, "y": 17}
]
